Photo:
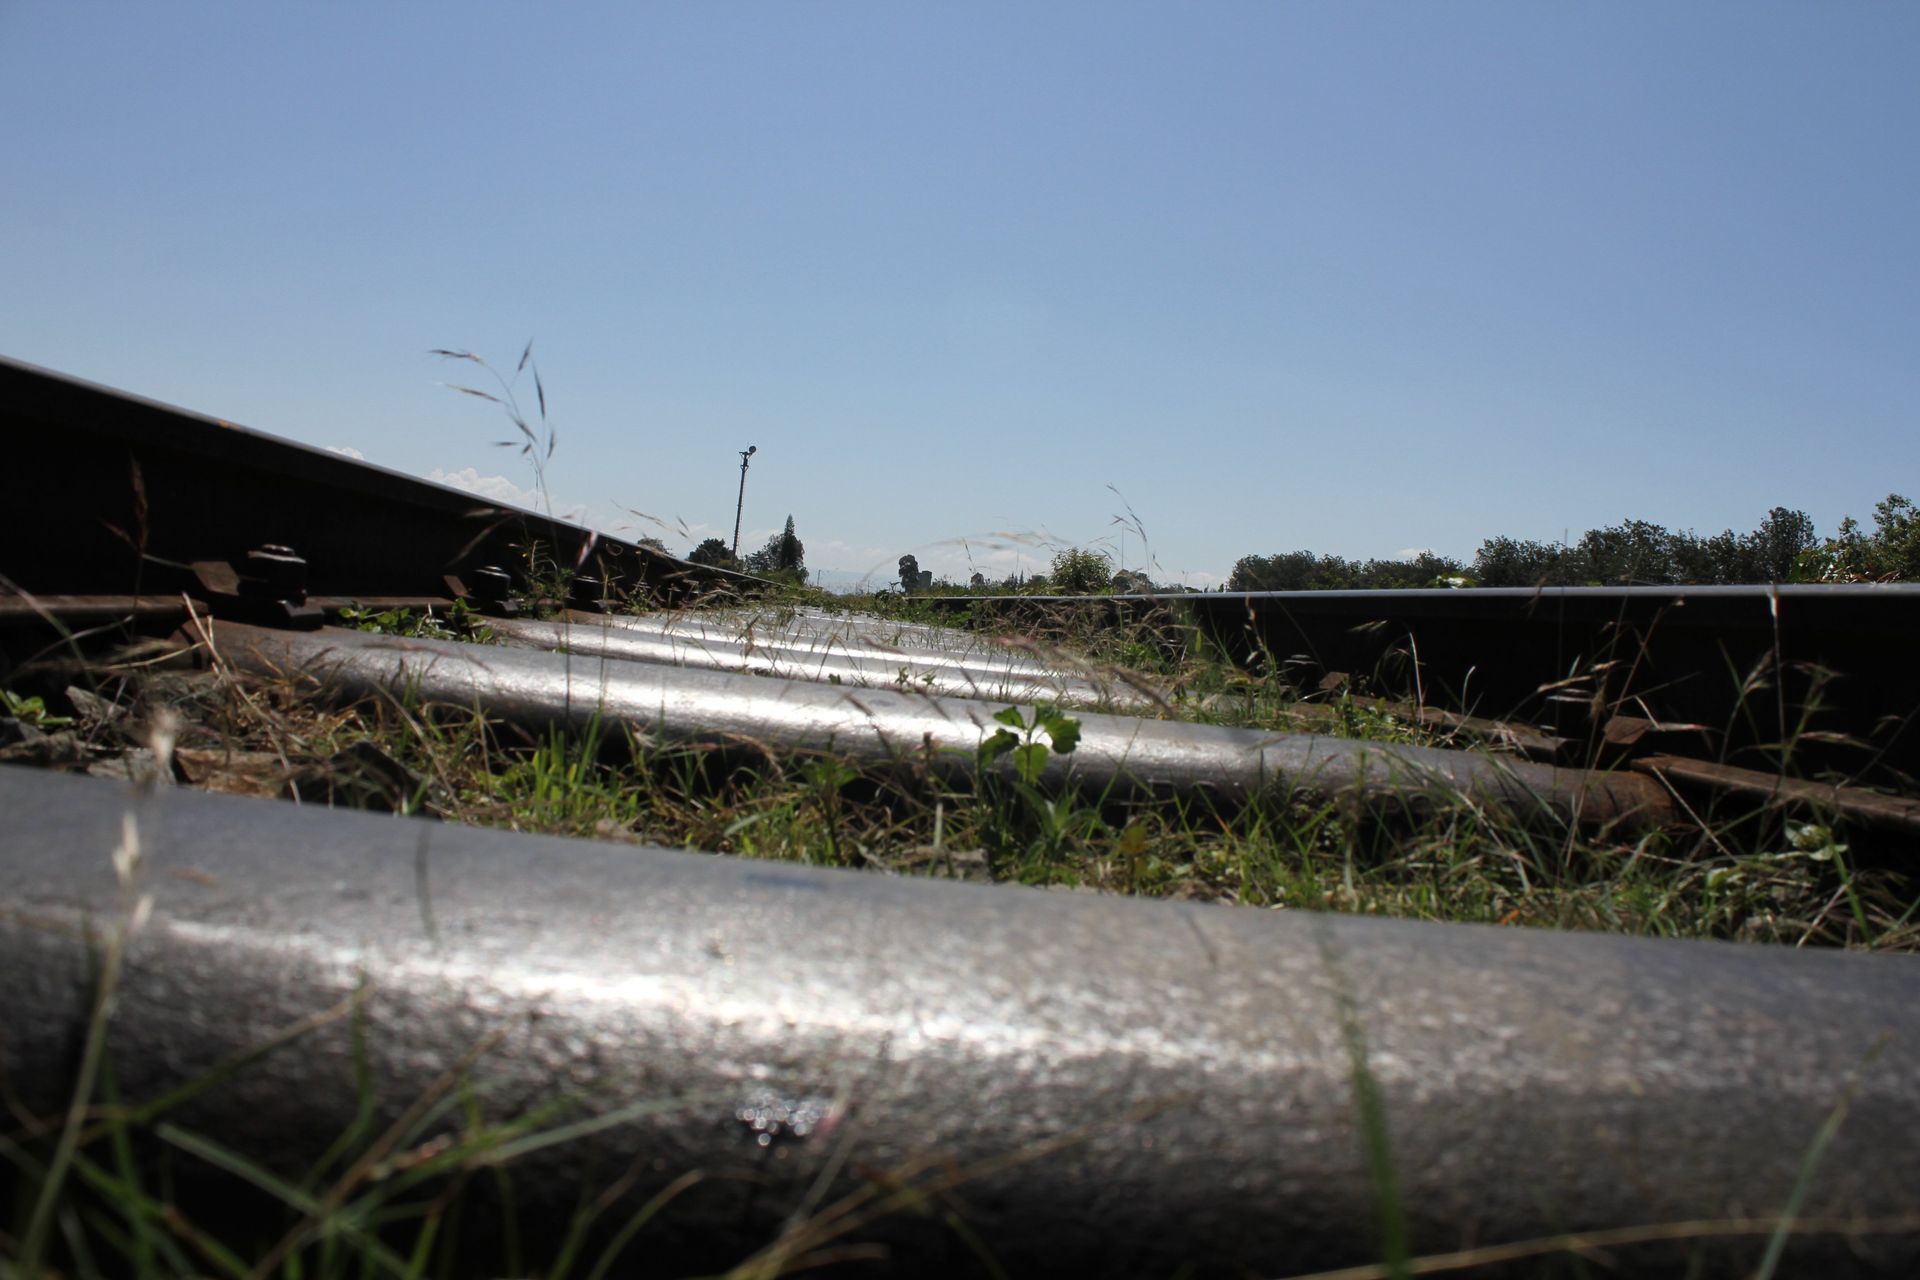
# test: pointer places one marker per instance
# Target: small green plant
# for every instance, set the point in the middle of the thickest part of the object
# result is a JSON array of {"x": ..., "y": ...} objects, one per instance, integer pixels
[
  {"x": 31, "y": 710},
  {"x": 462, "y": 622},
  {"x": 1029, "y": 753},
  {"x": 1039, "y": 829},
  {"x": 549, "y": 582}
]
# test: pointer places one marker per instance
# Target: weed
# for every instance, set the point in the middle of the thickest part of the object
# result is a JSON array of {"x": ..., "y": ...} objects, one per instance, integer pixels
[
  {"x": 31, "y": 710},
  {"x": 1731, "y": 877},
  {"x": 462, "y": 622},
  {"x": 1029, "y": 753},
  {"x": 536, "y": 444}
]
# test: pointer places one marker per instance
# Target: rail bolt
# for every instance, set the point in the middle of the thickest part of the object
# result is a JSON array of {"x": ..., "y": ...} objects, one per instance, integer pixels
[
  {"x": 492, "y": 585},
  {"x": 274, "y": 572},
  {"x": 588, "y": 592},
  {"x": 1570, "y": 713}
]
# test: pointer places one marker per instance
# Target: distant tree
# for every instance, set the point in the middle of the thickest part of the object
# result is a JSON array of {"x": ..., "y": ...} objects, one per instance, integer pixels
[
  {"x": 1425, "y": 569},
  {"x": 784, "y": 556},
  {"x": 1132, "y": 582},
  {"x": 1782, "y": 538},
  {"x": 1293, "y": 571},
  {"x": 713, "y": 552},
  {"x": 1080, "y": 573},
  {"x": 1266, "y": 573},
  {"x": 1770, "y": 553},
  {"x": 1439, "y": 570},
  {"x": 1890, "y": 553},
  {"x": 1897, "y": 529},
  {"x": 977, "y": 581},
  {"x": 1637, "y": 551},
  {"x": 1507, "y": 562},
  {"x": 909, "y": 574},
  {"x": 1715, "y": 559},
  {"x": 793, "y": 555},
  {"x": 1630, "y": 552}
]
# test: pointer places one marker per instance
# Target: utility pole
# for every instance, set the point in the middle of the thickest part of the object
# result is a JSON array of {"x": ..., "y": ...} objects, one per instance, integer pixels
[{"x": 745, "y": 454}]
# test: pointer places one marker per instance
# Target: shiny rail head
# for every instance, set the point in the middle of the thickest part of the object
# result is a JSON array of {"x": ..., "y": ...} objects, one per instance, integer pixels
[
  {"x": 1001, "y": 676},
  {"x": 1116, "y": 756}
]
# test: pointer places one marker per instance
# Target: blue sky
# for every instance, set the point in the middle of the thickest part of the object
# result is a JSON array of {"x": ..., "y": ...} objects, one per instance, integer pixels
[{"x": 1350, "y": 277}]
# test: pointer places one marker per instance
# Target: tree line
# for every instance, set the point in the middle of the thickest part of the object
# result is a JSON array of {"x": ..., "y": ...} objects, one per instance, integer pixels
[{"x": 1784, "y": 548}]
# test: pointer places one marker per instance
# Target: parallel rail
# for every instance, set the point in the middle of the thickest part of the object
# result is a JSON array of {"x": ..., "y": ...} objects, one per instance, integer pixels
[
  {"x": 1810, "y": 677},
  {"x": 130, "y": 497},
  {"x": 143, "y": 502}
]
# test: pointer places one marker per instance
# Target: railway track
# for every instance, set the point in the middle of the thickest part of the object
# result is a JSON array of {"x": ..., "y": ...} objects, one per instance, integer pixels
[
  {"x": 1085, "y": 1085},
  {"x": 132, "y": 498},
  {"x": 150, "y": 512},
  {"x": 1753, "y": 676}
]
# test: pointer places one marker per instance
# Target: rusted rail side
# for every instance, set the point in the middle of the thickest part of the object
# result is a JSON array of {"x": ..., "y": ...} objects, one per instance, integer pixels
[{"x": 1890, "y": 813}]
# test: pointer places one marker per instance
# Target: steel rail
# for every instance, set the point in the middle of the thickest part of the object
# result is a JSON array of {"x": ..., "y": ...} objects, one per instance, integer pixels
[
  {"x": 1890, "y": 813},
  {"x": 1117, "y": 756},
  {"x": 769, "y": 630},
  {"x": 125, "y": 510},
  {"x": 805, "y": 626},
  {"x": 1823, "y": 672},
  {"x": 1090, "y": 1086},
  {"x": 829, "y": 661},
  {"x": 123, "y": 503},
  {"x": 1818, "y": 674},
  {"x": 54, "y": 612}
]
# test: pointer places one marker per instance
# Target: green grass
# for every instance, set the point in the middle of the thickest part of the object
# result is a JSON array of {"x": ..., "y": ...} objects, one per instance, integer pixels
[
  {"x": 1732, "y": 874},
  {"x": 1762, "y": 879},
  {"x": 380, "y": 1203}
]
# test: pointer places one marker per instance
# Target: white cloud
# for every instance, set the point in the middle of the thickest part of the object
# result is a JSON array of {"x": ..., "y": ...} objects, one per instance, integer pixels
[
  {"x": 348, "y": 450},
  {"x": 497, "y": 488}
]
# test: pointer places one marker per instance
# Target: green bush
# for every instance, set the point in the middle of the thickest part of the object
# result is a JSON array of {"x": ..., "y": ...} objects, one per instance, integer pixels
[{"x": 1079, "y": 573}]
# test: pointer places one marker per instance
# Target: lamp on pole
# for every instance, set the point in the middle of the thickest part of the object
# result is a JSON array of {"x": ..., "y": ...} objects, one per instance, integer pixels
[{"x": 745, "y": 454}]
